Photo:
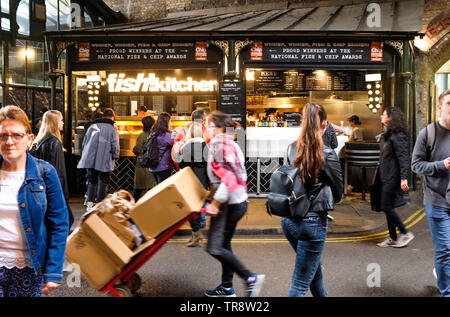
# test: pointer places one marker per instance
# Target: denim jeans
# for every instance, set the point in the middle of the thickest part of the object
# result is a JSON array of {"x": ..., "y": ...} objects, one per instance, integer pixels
[
  {"x": 307, "y": 238},
  {"x": 392, "y": 218},
  {"x": 439, "y": 220},
  {"x": 221, "y": 232},
  {"x": 99, "y": 179},
  {"x": 199, "y": 222},
  {"x": 162, "y": 175}
]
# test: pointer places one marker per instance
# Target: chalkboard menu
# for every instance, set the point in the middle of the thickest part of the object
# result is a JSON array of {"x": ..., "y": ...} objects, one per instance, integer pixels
[
  {"x": 267, "y": 81},
  {"x": 230, "y": 97},
  {"x": 292, "y": 119}
]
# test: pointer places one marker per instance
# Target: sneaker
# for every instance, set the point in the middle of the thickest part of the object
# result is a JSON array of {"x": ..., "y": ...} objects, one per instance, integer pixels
[
  {"x": 221, "y": 291},
  {"x": 404, "y": 239},
  {"x": 89, "y": 205},
  {"x": 388, "y": 242},
  {"x": 254, "y": 284}
]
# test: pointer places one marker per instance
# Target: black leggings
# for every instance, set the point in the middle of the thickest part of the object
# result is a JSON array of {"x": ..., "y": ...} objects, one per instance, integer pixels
[
  {"x": 393, "y": 219},
  {"x": 221, "y": 232}
]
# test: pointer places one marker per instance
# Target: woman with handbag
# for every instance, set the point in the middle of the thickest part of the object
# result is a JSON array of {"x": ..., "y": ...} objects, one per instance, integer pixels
[
  {"x": 164, "y": 140},
  {"x": 321, "y": 173},
  {"x": 392, "y": 173},
  {"x": 143, "y": 179},
  {"x": 227, "y": 175}
]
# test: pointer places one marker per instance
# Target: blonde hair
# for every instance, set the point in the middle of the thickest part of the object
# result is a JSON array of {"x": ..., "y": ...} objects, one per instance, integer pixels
[
  {"x": 49, "y": 126},
  {"x": 195, "y": 131}
]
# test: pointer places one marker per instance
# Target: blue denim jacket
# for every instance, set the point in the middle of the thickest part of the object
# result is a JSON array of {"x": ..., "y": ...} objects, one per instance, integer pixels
[{"x": 44, "y": 216}]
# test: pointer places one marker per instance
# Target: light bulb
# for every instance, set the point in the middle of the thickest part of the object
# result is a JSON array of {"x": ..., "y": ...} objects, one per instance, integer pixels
[
  {"x": 377, "y": 98},
  {"x": 370, "y": 106},
  {"x": 377, "y": 92},
  {"x": 377, "y": 86},
  {"x": 378, "y": 106},
  {"x": 370, "y": 99},
  {"x": 370, "y": 92},
  {"x": 369, "y": 86},
  {"x": 374, "y": 110},
  {"x": 90, "y": 98}
]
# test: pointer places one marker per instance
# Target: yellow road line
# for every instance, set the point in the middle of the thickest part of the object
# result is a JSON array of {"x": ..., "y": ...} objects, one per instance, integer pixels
[{"x": 414, "y": 219}]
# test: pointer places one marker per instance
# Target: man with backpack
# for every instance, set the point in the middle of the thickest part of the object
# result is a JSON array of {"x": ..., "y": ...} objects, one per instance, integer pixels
[
  {"x": 100, "y": 149},
  {"x": 431, "y": 157}
]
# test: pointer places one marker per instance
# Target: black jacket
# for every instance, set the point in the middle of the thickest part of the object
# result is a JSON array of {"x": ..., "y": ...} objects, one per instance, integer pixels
[
  {"x": 50, "y": 149},
  {"x": 394, "y": 161},
  {"x": 328, "y": 191},
  {"x": 194, "y": 153}
]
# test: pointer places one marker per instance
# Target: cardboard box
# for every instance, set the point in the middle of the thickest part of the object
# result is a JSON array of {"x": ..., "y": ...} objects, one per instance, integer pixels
[
  {"x": 168, "y": 202},
  {"x": 96, "y": 266},
  {"x": 120, "y": 229},
  {"x": 100, "y": 254}
]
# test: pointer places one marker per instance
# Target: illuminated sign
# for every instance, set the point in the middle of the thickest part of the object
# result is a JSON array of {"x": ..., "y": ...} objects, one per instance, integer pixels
[{"x": 151, "y": 83}]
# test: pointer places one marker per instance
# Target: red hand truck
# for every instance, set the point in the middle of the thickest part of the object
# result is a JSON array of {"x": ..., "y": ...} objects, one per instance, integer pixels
[{"x": 128, "y": 281}]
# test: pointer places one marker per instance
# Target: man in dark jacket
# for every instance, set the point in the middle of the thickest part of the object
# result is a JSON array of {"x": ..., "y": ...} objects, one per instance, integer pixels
[{"x": 100, "y": 150}]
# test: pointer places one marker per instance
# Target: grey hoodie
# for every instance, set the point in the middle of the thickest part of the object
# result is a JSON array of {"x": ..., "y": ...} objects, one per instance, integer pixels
[{"x": 437, "y": 177}]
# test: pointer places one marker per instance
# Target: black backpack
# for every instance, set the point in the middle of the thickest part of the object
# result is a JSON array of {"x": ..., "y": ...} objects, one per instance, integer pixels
[
  {"x": 149, "y": 157},
  {"x": 288, "y": 196}
]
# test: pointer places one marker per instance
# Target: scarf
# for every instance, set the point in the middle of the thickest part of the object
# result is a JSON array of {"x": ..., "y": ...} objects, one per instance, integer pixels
[{"x": 225, "y": 163}]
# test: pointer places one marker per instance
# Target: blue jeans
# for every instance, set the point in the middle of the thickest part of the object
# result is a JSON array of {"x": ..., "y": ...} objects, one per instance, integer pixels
[
  {"x": 307, "y": 238},
  {"x": 97, "y": 184},
  {"x": 199, "y": 222},
  {"x": 439, "y": 220}
]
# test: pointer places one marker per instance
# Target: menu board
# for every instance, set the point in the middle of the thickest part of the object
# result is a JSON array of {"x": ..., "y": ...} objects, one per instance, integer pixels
[
  {"x": 230, "y": 97},
  {"x": 269, "y": 80},
  {"x": 305, "y": 80},
  {"x": 292, "y": 119}
]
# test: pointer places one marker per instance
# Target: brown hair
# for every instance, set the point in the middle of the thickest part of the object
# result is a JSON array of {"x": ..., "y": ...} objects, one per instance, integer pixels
[
  {"x": 441, "y": 96},
  {"x": 221, "y": 120},
  {"x": 310, "y": 156},
  {"x": 15, "y": 113}
]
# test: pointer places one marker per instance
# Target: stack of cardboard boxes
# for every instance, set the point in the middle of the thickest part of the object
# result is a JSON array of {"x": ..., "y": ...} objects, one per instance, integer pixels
[{"x": 99, "y": 245}]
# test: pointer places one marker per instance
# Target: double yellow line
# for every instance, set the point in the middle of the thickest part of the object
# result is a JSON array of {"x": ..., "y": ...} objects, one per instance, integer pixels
[{"x": 409, "y": 222}]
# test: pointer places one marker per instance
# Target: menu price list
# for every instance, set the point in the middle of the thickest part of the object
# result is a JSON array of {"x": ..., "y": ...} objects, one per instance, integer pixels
[{"x": 305, "y": 80}]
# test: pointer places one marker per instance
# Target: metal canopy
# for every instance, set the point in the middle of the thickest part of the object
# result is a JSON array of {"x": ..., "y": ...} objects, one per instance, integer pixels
[{"x": 281, "y": 19}]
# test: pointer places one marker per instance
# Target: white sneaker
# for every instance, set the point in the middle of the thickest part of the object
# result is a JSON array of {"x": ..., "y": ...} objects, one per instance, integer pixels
[
  {"x": 89, "y": 205},
  {"x": 388, "y": 242},
  {"x": 404, "y": 239}
]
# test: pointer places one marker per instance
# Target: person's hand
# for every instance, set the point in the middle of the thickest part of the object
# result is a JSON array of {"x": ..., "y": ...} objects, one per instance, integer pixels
[
  {"x": 404, "y": 185},
  {"x": 49, "y": 286},
  {"x": 212, "y": 208},
  {"x": 447, "y": 163}
]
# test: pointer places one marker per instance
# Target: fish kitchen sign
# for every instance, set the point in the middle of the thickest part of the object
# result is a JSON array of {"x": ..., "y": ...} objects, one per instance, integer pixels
[{"x": 121, "y": 53}]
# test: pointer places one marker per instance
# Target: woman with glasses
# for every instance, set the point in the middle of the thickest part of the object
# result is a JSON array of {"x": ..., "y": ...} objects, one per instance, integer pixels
[
  {"x": 48, "y": 147},
  {"x": 33, "y": 213}
]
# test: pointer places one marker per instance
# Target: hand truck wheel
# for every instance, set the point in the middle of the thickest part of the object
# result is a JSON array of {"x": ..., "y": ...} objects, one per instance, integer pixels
[
  {"x": 123, "y": 291},
  {"x": 134, "y": 283}
]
